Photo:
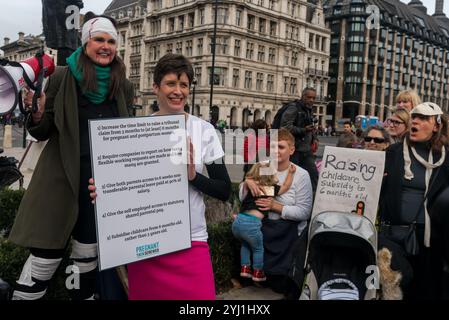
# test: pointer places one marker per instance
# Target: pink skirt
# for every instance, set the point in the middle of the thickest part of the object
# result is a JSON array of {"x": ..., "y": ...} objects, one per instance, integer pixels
[{"x": 182, "y": 275}]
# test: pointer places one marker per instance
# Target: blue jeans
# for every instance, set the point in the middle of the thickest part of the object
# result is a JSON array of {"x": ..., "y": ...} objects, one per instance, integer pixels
[{"x": 247, "y": 229}]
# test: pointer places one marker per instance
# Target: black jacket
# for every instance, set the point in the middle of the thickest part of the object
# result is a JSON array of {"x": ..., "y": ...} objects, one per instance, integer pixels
[
  {"x": 295, "y": 118},
  {"x": 390, "y": 196}
]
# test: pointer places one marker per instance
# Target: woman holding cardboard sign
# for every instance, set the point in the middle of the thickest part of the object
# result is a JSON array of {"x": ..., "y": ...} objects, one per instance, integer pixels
[
  {"x": 186, "y": 274},
  {"x": 416, "y": 172}
]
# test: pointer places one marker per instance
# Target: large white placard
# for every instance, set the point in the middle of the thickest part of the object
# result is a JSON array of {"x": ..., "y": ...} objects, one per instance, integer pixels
[
  {"x": 142, "y": 207},
  {"x": 350, "y": 181}
]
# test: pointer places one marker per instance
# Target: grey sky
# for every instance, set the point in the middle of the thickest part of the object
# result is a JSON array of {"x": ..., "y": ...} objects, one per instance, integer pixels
[{"x": 26, "y": 15}]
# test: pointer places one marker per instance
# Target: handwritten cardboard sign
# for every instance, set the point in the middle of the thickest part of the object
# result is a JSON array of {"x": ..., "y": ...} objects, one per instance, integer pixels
[{"x": 350, "y": 181}]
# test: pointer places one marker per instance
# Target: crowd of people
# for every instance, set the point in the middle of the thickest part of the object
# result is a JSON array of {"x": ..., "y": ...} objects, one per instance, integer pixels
[{"x": 272, "y": 223}]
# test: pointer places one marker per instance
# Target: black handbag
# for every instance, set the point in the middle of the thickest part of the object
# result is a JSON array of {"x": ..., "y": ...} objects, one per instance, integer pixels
[{"x": 404, "y": 235}]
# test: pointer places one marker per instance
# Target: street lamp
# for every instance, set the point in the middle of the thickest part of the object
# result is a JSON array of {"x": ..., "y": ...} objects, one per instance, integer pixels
[
  {"x": 214, "y": 41},
  {"x": 194, "y": 82},
  {"x": 155, "y": 106}
]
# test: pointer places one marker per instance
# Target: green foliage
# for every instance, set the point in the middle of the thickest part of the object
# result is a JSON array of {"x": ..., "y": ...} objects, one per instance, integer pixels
[
  {"x": 9, "y": 204},
  {"x": 225, "y": 254},
  {"x": 225, "y": 249},
  {"x": 13, "y": 257}
]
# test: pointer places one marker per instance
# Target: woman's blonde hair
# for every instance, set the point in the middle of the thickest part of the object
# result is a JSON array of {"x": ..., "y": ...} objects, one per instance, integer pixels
[
  {"x": 262, "y": 179},
  {"x": 409, "y": 95}
]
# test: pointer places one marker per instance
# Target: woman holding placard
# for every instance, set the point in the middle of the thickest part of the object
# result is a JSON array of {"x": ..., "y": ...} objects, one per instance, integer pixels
[{"x": 186, "y": 274}]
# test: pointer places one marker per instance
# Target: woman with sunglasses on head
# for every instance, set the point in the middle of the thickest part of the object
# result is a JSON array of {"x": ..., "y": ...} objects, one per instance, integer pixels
[
  {"x": 398, "y": 125},
  {"x": 56, "y": 207},
  {"x": 416, "y": 172},
  {"x": 377, "y": 138}
]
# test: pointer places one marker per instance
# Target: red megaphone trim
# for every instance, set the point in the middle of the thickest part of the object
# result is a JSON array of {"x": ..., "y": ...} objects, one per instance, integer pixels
[{"x": 47, "y": 62}]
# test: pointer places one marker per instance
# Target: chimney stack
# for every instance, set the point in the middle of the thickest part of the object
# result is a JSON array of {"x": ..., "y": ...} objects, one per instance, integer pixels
[
  {"x": 439, "y": 8},
  {"x": 6, "y": 39},
  {"x": 21, "y": 36}
]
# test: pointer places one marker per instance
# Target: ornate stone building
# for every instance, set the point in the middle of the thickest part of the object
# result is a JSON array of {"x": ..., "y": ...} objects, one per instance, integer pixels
[
  {"x": 25, "y": 47},
  {"x": 267, "y": 51}
]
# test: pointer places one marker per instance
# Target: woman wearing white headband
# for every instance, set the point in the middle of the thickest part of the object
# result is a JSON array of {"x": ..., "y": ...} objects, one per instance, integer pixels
[
  {"x": 416, "y": 172},
  {"x": 56, "y": 207}
]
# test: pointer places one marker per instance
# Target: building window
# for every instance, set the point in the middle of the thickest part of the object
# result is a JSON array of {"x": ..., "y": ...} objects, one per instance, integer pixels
[
  {"x": 270, "y": 83},
  {"x": 293, "y": 86},
  {"x": 189, "y": 48},
  {"x": 181, "y": 23},
  {"x": 222, "y": 17},
  {"x": 311, "y": 41},
  {"x": 155, "y": 53},
  {"x": 271, "y": 4},
  {"x": 251, "y": 22},
  {"x": 259, "y": 81},
  {"x": 271, "y": 55},
  {"x": 198, "y": 71},
  {"x": 273, "y": 28},
  {"x": 248, "y": 79},
  {"x": 200, "y": 47},
  {"x": 179, "y": 47},
  {"x": 237, "y": 48},
  {"x": 156, "y": 27},
  {"x": 222, "y": 45},
  {"x": 238, "y": 18},
  {"x": 191, "y": 19},
  {"x": 323, "y": 44},
  {"x": 261, "y": 54},
  {"x": 201, "y": 17},
  {"x": 235, "y": 78},
  {"x": 171, "y": 24},
  {"x": 295, "y": 58},
  {"x": 262, "y": 25},
  {"x": 286, "y": 58},
  {"x": 219, "y": 76},
  {"x": 286, "y": 84},
  {"x": 157, "y": 4},
  {"x": 249, "y": 50}
]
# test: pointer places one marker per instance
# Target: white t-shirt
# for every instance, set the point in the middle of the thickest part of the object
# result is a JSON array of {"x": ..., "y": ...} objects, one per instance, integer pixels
[{"x": 207, "y": 148}]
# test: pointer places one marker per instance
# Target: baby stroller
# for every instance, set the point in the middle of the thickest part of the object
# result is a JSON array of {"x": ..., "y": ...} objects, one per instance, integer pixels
[{"x": 341, "y": 261}]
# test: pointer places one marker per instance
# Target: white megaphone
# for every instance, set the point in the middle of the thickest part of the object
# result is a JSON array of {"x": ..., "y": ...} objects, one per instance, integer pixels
[{"x": 15, "y": 76}]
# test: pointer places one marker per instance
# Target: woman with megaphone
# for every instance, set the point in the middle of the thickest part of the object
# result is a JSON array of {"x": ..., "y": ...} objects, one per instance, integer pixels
[{"x": 56, "y": 207}]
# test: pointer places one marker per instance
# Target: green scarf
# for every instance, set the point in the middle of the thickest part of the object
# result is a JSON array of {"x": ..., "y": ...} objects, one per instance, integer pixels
[{"x": 103, "y": 77}]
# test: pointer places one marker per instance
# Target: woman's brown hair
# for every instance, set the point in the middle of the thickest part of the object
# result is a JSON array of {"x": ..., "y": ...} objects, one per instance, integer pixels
[
  {"x": 440, "y": 138},
  {"x": 118, "y": 69}
]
